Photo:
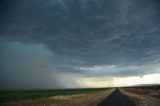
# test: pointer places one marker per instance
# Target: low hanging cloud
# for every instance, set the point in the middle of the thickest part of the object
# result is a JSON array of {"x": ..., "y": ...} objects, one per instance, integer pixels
[
  {"x": 26, "y": 66},
  {"x": 119, "y": 70},
  {"x": 79, "y": 38}
]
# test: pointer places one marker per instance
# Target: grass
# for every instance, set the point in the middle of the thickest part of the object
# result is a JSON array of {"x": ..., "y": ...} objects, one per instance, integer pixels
[
  {"x": 15, "y": 95},
  {"x": 153, "y": 90},
  {"x": 149, "y": 87}
]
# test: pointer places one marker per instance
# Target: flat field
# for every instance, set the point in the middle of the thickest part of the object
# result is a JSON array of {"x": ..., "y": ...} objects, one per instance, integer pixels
[
  {"x": 125, "y": 96},
  {"x": 143, "y": 95},
  {"x": 22, "y": 97}
]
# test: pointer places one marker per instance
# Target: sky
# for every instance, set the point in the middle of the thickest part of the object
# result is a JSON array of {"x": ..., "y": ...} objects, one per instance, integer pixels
[{"x": 79, "y": 43}]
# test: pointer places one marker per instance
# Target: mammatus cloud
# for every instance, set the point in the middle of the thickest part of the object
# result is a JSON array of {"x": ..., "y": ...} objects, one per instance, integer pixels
[{"x": 78, "y": 38}]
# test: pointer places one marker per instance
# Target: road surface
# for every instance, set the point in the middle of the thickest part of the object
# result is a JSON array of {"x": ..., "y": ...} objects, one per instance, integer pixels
[{"x": 116, "y": 98}]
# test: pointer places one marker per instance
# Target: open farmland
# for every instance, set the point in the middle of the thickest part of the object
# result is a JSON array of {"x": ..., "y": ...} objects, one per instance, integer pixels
[
  {"x": 125, "y": 96},
  {"x": 143, "y": 95},
  {"x": 31, "y": 95}
]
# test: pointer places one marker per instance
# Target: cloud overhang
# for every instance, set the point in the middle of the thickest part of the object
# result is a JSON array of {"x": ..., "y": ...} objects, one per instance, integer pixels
[{"x": 88, "y": 38}]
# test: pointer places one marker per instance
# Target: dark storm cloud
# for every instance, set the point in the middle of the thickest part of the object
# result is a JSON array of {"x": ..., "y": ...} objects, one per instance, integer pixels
[
  {"x": 84, "y": 34},
  {"x": 102, "y": 31},
  {"x": 29, "y": 66}
]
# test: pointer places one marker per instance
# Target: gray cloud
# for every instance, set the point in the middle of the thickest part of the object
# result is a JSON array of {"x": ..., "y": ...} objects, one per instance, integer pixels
[
  {"x": 85, "y": 33},
  {"x": 26, "y": 66}
]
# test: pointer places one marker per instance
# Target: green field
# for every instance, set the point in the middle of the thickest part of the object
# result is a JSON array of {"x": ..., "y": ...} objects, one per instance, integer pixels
[{"x": 14, "y": 95}]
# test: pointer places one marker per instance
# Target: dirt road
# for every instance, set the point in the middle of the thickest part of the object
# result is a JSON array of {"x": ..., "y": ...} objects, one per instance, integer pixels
[{"x": 117, "y": 99}]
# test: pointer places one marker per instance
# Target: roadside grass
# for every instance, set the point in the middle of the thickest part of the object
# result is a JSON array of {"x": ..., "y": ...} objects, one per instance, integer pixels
[
  {"x": 153, "y": 91},
  {"x": 144, "y": 95},
  {"x": 15, "y": 95}
]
